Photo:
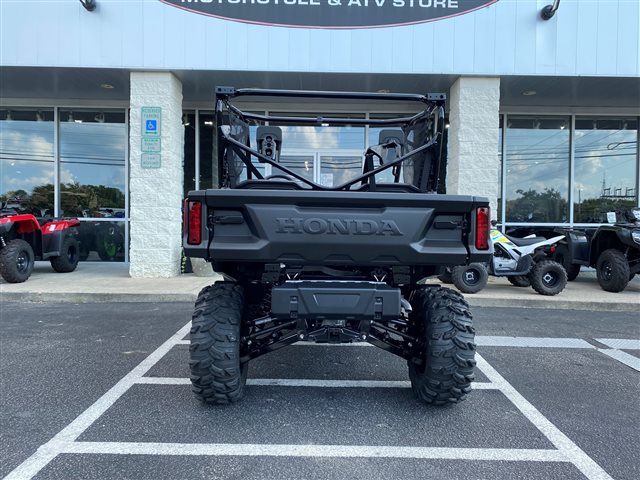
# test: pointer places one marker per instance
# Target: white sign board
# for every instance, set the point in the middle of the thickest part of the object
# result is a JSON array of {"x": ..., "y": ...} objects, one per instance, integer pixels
[
  {"x": 150, "y": 160},
  {"x": 151, "y": 121},
  {"x": 151, "y": 144}
]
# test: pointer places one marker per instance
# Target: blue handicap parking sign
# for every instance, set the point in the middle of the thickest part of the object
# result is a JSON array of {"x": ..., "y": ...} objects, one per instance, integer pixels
[{"x": 152, "y": 125}]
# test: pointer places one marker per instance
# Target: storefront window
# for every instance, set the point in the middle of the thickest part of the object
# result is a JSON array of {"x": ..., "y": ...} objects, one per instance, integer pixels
[
  {"x": 537, "y": 169},
  {"x": 206, "y": 159},
  {"x": 605, "y": 167},
  {"x": 296, "y": 137},
  {"x": 189, "y": 123},
  {"x": 92, "y": 164},
  {"x": 27, "y": 161}
]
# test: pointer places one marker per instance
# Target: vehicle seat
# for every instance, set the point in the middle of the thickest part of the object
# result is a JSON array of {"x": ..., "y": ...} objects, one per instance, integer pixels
[
  {"x": 270, "y": 184},
  {"x": 524, "y": 242},
  {"x": 391, "y": 187}
]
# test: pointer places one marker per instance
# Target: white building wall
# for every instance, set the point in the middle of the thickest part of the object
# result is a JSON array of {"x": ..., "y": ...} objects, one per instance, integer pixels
[
  {"x": 156, "y": 193},
  {"x": 595, "y": 37},
  {"x": 473, "y": 165}
]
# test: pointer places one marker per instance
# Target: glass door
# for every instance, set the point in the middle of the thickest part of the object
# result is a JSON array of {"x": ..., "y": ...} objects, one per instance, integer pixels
[{"x": 328, "y": 168}]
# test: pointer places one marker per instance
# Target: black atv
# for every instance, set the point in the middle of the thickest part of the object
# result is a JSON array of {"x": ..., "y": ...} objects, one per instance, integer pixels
[
  {"x": 613, "y": 250},
  {"x": 332, "y": 263}
]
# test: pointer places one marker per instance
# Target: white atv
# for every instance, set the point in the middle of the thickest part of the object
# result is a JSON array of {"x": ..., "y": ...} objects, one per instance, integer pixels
[{"x": 524, "y": 261}]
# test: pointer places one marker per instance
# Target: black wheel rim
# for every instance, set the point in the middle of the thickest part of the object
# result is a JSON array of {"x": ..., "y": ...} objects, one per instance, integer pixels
[
  {"x": 606, "y": 271},
  {"x": 23, "y": 262},
  {"x": 550, "y": 279},
  {"x": 71, "y": 254},
  {"x": 471, "y": 277}
]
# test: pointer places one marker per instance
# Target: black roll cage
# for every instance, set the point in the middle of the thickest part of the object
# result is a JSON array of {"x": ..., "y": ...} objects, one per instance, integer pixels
[{"x": 434, "y": 103}]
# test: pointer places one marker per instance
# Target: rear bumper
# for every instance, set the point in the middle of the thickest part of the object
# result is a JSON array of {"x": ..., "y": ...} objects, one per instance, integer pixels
[{"x": 335, "y": 300}]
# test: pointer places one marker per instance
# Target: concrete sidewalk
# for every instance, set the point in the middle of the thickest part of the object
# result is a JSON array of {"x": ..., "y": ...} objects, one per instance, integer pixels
[{"x": 110, "y": 282}]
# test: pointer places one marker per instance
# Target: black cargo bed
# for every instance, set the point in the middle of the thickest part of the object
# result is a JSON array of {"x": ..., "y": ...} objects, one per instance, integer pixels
[{"x": 337, "y": 228}]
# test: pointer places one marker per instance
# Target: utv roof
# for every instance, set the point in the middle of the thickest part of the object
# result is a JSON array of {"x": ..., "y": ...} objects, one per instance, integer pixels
[{"x": 430, "y": 100}]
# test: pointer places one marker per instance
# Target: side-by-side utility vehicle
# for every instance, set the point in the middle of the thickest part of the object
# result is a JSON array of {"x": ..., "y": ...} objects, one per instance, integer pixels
[{"x": 340, "y": 259}]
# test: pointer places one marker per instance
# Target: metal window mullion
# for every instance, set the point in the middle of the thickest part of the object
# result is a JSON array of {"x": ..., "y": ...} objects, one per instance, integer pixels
[
  {"x": 56, "y": 162},
  {"x": 367, "y": 115},
  {"x": 503, "y": 206},
  {"x": 268, "y": 169},
  {"x": 197, "y": 152},
  {"x": 316, "y": 166},
  {"x": 126, "y": 185},
  {"x": 638, "y": 162},
  {"x": 572, "y": 158}
]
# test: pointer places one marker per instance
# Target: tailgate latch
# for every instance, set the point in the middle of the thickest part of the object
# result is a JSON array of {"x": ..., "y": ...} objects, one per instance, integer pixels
[{"x": 227, "y": 219}]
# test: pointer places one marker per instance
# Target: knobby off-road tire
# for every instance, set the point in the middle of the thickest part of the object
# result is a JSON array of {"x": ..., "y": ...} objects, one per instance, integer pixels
[
  {"x": 69, "y": 256},
  {"x": 16, "y": 261},
  {"x": 446, "y": 276},
  {"x": 612, "y": 270},
  {"x": 563, "y": 257},
  {"x": 444, "y": 324},
  {"x": 548, "y": 277},
  {"x": 470, "y": 278},
  {"x": 217, "y": 376},
  {"x": 519, "y": 280}
]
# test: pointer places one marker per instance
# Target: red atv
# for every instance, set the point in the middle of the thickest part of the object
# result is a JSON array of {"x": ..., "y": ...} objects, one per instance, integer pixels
[{"x": 23, "y": 240}]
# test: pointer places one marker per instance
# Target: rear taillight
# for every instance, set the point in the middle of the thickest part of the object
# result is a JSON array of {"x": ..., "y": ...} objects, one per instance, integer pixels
[
  {"x": 194, "y": 233},
  {"x": 482, "y": 228}
]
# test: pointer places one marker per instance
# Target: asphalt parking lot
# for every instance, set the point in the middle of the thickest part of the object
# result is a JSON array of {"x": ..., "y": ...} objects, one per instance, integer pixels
[{"x": 99, "y": 391}]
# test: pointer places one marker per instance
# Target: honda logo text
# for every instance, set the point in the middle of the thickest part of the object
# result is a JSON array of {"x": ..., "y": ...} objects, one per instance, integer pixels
[{"x": 337, "y": 226}]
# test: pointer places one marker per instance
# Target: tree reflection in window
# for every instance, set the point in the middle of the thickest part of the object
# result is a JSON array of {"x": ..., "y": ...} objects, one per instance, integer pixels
[
  {"x": 92, "y": 164},
  {"x": 27, "y": 161},
  {"x": 537, "y": 164},
  {"x": 605, "y": 167}
]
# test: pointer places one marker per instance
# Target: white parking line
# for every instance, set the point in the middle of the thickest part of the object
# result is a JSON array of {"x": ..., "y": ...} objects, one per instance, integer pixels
[
  {"x": 490, "y": 341},
  {"x": 47, "y": 452},
  {"x": 66, "y": 440},
  {"x": 621, "y": 343},
  {"x": 564, "y": 444},
  {"x": 535, "y": 342},
  {"x": 339, "y": 451},
  {"x": 623, "y": 357},
  {"x": 303, "y": 382}
]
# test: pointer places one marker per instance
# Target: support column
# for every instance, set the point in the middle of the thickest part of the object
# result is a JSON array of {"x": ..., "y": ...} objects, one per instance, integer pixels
[
  {"x": 473, "y": 165},
  {"x": 156, "y": 178}
]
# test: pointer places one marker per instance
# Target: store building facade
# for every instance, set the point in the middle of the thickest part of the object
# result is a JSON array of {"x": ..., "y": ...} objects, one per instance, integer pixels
[{"x": 542, "y": 114}]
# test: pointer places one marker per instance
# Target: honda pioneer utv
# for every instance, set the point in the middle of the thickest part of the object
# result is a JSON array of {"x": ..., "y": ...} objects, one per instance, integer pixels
[{"x": 303, "y": 260}]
